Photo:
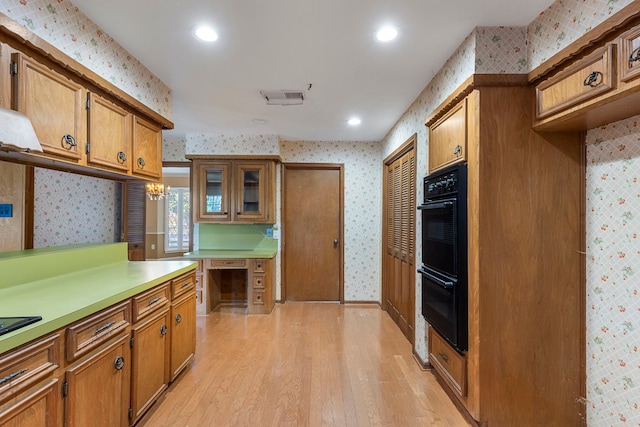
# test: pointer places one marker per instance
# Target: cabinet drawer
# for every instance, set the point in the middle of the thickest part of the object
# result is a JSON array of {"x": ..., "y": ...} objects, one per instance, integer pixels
[
  {"x": 258, "y": 282},
  {"x": 258, "y": 298},
  {"x": 258, "y": 266},
  {"x": 91, "y": 332},
  {"x": 630, "y": 54},
  {"x": 182, "y": 285},
  {"x": 21, "y": 368},
  {"x": 227, "y": 263},
  {"x": 449, "y": 363},
  {"x": 150, "y": 301},
  {"x": 586, "y": 79}
]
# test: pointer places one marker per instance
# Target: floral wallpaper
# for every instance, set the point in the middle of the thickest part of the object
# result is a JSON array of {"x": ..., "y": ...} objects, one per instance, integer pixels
[
  {"x": 63, "y": 25},
  {"x": 72, "y": 208},
  {"x": 613, "y": 260},
  {"x": 564, "y": 22},
  {"x": 232, "y": 143},
  {"x": 173, "y": 149}
]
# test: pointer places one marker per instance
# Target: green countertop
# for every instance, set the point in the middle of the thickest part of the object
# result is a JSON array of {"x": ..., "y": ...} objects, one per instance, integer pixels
[
  {"x": 265, "y": 252},
  {"x": 83, "y": 289}
]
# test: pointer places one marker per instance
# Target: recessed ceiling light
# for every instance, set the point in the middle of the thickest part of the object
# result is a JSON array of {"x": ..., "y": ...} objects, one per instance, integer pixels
[
  {"x": 354, "y": 121},
  {"x": 260, "y": 121},
  {"x": 386, "y": 33},
  {"x": 205, "y": 33}
]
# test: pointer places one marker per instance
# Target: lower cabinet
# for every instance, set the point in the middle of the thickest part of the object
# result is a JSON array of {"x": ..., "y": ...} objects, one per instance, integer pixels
[
  {"x": 150, "y": 362},
  {"x": 96, "y": 388},
  {"x": 37, "y": 408},
  {"x": 183, "y": 333}
]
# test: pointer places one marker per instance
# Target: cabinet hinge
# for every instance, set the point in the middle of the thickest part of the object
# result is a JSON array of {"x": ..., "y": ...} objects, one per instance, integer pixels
[
  {"x": 87, "y": 103},
  {"x": 13, "y": 68},
  {"x": 86, "y": 150},
  {"x": 65, "y": 389},
  {"x": 130, "y": 413},
  {"x": 131, "y": 342}
]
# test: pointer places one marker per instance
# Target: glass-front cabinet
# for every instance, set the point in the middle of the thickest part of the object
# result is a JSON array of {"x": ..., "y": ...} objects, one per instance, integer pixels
[{"x": 234, "y": 191}]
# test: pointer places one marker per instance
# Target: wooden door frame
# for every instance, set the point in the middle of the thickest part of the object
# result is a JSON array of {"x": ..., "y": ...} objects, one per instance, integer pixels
[
  {"x": 324, "y": 166},
  {"x": 410, "y": 144}
]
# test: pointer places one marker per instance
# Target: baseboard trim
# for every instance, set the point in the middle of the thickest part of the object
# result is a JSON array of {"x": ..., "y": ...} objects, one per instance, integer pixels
[
  {"x": 425, "y": 366},
  {"x": 465, "y": 413}
]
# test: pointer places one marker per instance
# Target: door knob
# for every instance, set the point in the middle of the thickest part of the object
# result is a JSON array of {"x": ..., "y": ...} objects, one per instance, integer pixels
[{"x": 335, "y": 243}]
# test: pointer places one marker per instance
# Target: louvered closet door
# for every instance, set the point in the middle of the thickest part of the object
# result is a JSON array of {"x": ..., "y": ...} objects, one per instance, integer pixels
[{"x": 399, "y": 256}]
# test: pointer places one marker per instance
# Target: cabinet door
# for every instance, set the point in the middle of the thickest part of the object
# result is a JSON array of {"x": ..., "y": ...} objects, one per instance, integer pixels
[
  {"x": 448, "y": 138},
  {"x": 211, "y": 194},
  {"x": 37, "y": 409},
  {"x": 150, "y": 357},
  {"x": 147, "y": 149},
  {"x": 630, "y": 55},
  {"x": 183, "y": 333},
  {"x": 98, "y": 388},
  {"x": 109, "y": 134},
  {"x": 250, "y": 192},
  {"x": 53, "y": 103}
]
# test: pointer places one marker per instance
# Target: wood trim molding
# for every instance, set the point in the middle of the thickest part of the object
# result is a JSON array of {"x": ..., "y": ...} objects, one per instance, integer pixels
[
  {"x": 425, "y": 366},
  {"x": 608, "y": 29},
  {"x": 24, "y": 40},
  {"x": 274, "y": 157},
  {"x": 406, "y": 146},
  {"x": 474, "y": 81},
  {"x": 29, "y": 206}
]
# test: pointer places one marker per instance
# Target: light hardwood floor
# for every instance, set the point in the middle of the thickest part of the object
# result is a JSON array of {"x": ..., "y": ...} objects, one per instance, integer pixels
[{"x": 305, "y": 364}]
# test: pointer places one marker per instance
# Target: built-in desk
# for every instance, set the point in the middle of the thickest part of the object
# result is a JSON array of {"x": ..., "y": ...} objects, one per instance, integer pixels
[{"x": 217, "y": 267}]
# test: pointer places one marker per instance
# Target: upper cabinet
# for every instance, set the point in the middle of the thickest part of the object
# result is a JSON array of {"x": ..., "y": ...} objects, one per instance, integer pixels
[
  {"x": 147, "y": 149},
  {"x": 84, "y": 123},
  {"x": 448, "y": 138},
  {"x": 54, "y": 104},
  {"x": 234, "y": 191},
  {"x": 109, "y": 134},
  {"x": 601, "y": 85}
]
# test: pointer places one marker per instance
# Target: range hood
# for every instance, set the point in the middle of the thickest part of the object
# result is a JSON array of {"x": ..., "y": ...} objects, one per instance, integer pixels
[{"x": 16, "y": 132}]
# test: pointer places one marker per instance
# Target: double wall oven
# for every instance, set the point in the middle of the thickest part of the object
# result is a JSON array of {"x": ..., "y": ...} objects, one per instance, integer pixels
[{"x": 444, "y": 254}]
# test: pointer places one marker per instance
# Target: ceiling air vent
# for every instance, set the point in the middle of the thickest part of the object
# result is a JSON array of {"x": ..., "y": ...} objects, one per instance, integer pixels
[{"x": 283, "y": 97}]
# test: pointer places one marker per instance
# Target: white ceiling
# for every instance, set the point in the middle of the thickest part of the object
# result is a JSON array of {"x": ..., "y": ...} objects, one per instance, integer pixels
[{"x": 289, "y": 44}]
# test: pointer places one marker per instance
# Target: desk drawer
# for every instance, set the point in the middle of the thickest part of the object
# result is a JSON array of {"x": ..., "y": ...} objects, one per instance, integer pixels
[
  {"x": 150, "y": 301},
  {"x": 182, "y": 285},
  {"x": 449, "y": 363},
  {"x": 227, "y": 263},
  {"x": 24, "y": 367},
  {"x": 89, "y": 333}
]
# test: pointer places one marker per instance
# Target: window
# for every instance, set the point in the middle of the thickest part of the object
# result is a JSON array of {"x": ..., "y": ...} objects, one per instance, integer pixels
[{"x": 177, "y": 220}]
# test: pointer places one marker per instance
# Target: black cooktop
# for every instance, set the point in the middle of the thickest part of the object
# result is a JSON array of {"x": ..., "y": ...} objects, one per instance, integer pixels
[{"x": 8, "y": 324}]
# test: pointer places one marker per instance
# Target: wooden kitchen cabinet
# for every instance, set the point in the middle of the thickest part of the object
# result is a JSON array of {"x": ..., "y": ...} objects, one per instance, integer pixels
[
  {"x": 448, "y": 138},
  {"x": 586, "y": 79},
  {"x": 234, "y": 191},
  {"x": 629, "y": 45},
  {"x": 29, "y": 388},
  {"x": 97, "y": 387},
  {"x": 54, "y": 104},
  {"x": 150, "y": 354},
  {"x": 109, "y": 134},
  {"x": 183, "y": 332},
  {"x": 147, "y": 149},
  {"x": 524, "y": 268}
]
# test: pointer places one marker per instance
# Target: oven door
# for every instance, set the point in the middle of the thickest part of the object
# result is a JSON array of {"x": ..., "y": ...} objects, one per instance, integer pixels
[
  {"x": 439, "y": 236},
  {"x": 444, "y": 307}
]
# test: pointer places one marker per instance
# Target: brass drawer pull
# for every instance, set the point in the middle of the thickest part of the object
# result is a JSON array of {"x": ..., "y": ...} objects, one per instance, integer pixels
[
  {"x": 119, "y": 363},
  {"x": 458, "y": 150},
  {"x": 444, "y": 357},
  {"x": 178, "y": 318},
  {"x": 122, "y": 157},
  {"x": 593, "y": 79},
  {"x": 163, "y": 330},
  {"x": 153, "y": 301},
  {"x": 106, "y": 326},
  {"x": 141, "y": 163},
  {"x": 68, "y": 142},
  {"x": 12, "y": 376},
  {"x": 185, "y": 284}
]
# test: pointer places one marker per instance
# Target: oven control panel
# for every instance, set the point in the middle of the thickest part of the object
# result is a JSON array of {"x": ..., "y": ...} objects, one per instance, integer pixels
[{"x": 443, "y": 183}]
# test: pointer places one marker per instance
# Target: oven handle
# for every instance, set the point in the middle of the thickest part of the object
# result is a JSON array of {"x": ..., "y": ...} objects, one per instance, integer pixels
[
  {"x": 441, "y": 205},
  {"x": 438, "y": 281}
]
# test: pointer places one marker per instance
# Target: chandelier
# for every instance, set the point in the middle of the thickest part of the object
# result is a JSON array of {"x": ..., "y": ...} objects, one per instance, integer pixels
[{"x": 156, "y": 191}]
